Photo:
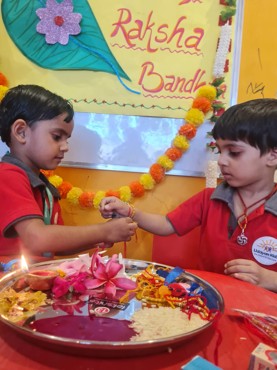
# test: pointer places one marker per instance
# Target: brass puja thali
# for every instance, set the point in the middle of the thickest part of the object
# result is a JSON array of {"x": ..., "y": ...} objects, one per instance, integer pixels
[{"x": 110, "y": 307}]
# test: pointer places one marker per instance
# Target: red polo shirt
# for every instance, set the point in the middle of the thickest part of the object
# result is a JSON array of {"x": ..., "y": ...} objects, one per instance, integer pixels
[
  {"x": 213, "y": 211},
  {"x": 21, "y": 198}
]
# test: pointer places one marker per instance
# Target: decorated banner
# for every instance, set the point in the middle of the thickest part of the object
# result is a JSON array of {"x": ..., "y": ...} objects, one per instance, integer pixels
[{"x": 139, "y": 57}]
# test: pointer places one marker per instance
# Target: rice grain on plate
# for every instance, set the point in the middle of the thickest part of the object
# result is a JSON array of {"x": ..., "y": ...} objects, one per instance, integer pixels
[{"x": 163, "y": 322}]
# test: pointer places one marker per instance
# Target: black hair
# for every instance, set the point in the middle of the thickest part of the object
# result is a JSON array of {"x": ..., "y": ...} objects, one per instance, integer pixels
[
  {"x": 254, "y": 122},
  {"x": 31, "y": 103}
]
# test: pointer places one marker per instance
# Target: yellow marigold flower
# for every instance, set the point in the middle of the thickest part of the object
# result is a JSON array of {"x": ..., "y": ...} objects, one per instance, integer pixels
[
  {"x": 55, "y": 180},
  {"x": 73, "y": 195},
  {"x": 147, "y": 181},
  {"x": 165, "y": 162},
  {"x": 181, "y": 142},
  {"x": 195, "y": 116},
  {"x": 208, "y": 91},
  {"x": 125, "y": 193},
  {"x": 3, "y": 91},
  {"x": 99, "y": 195}
]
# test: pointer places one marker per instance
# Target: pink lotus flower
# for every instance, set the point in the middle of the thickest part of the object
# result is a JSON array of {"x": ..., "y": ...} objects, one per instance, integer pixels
[
  {"x": 110, "y": 276},
  {"x": 71, "y": 283},
  {"x": 81, "y": 264},
  {"x": 100, "y": 279}
]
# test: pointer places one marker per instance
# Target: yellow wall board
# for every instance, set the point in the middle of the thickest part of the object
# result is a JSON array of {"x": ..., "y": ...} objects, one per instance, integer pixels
[{"x": 258, "y": 69}]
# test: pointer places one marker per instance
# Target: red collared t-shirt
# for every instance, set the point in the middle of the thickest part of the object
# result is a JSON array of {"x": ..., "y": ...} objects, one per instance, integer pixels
[
  {"x": 217, "y": 246},
  {"x": 19, "y": 200}
]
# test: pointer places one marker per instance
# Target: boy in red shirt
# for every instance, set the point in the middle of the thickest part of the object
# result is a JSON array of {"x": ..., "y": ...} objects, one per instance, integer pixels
[
  {"x": 238, "y": 219},
  {"x": 36, "y": 125}
]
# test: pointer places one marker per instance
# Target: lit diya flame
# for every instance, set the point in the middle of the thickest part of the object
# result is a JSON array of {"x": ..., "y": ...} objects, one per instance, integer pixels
[{"x": 23, "y": 264}]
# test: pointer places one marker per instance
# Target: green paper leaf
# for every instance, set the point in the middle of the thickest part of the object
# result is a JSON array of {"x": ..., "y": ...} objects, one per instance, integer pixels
[
  {"x": 86, "y": 51},
  {"x": 231, "y": 2},
  {"x": 227, "y": 13},
  {"x": 218, "y": 81}
]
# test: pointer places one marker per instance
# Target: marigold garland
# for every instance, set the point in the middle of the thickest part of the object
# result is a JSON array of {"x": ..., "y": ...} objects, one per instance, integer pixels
[
  {"x": 174, "y": 154},
  {"x": 137, "y": 188},
  {"x": 157, "y": 172},
  {"x": 86, "y": 199},
  {"x": 187, "y": 130},
  {"x": 64, "y": 189},
  {"x": 205, "y": 102},
  {"x": 202, "y": 103},
  {"x": 125, "y": 193}
]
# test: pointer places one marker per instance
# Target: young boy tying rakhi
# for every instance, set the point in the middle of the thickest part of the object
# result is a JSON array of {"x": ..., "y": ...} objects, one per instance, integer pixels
[
  {"x": 36, "y": 125},
  {"x": 238, "y": 219}
]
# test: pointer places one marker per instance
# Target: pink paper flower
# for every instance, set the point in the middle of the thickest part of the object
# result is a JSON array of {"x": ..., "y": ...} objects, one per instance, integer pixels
[{"x": 57, "y": 21}]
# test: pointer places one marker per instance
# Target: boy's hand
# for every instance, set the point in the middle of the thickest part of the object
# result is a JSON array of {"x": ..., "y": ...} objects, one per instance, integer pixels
[
  {"x": 112, "y": 207},
  {"x": 251, "y": 272},
  {"x": 120, "y": 229}
]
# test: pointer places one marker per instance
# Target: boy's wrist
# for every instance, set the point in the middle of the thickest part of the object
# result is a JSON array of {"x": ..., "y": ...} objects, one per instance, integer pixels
[{"x": 131, "y": 211}]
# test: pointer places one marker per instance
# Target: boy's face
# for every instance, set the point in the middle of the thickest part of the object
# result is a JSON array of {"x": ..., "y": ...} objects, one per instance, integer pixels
[
  {"x": 242, "y": 164},
  {"x": 47, "y": 142}
]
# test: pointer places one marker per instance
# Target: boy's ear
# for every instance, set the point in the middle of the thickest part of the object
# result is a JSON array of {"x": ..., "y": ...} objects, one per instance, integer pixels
[
  {"x": 272, "y": 158},
  {"x": 19, "y": 128}
]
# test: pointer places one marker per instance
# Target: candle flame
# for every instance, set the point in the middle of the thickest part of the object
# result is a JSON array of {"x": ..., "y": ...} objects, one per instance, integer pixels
[{"x": 24, "y": 265}]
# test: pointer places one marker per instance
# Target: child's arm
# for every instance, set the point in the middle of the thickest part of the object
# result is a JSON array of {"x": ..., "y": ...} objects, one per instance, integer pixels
[
  {"x": 38, "y": 237},
  {"x": 154, "y": 223},
  {"x": 251, "y": 272}
]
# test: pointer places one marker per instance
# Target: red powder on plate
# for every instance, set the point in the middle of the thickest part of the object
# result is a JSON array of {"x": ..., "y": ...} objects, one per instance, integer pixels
[{"x": 94, "y": 328}]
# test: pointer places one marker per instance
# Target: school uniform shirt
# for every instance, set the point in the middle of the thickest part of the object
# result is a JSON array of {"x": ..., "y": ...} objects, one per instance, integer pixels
[
  {"x": 22, "y": 197},
  {"x": 213, "y": 210}
]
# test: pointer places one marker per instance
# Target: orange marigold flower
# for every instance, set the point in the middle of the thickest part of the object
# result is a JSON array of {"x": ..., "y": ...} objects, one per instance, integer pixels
[
  {"x": 113, "y": 193},
  {"x": 47, "y": 173},
  {"x": 137, "y": 189},
  {"x": 64, "y": 188},
  {"x": 86, "y": 199},
  {"x": 202, "y": 104},
  {"x": 174, "y": 153},
  {"x": 157, "y": 172},
  {"x": 3, "y": 80},
  {"x": 188, "y": 130}
]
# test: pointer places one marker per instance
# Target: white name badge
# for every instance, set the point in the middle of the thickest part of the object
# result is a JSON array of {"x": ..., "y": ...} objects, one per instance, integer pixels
[{"x": 264, "y": 250}]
